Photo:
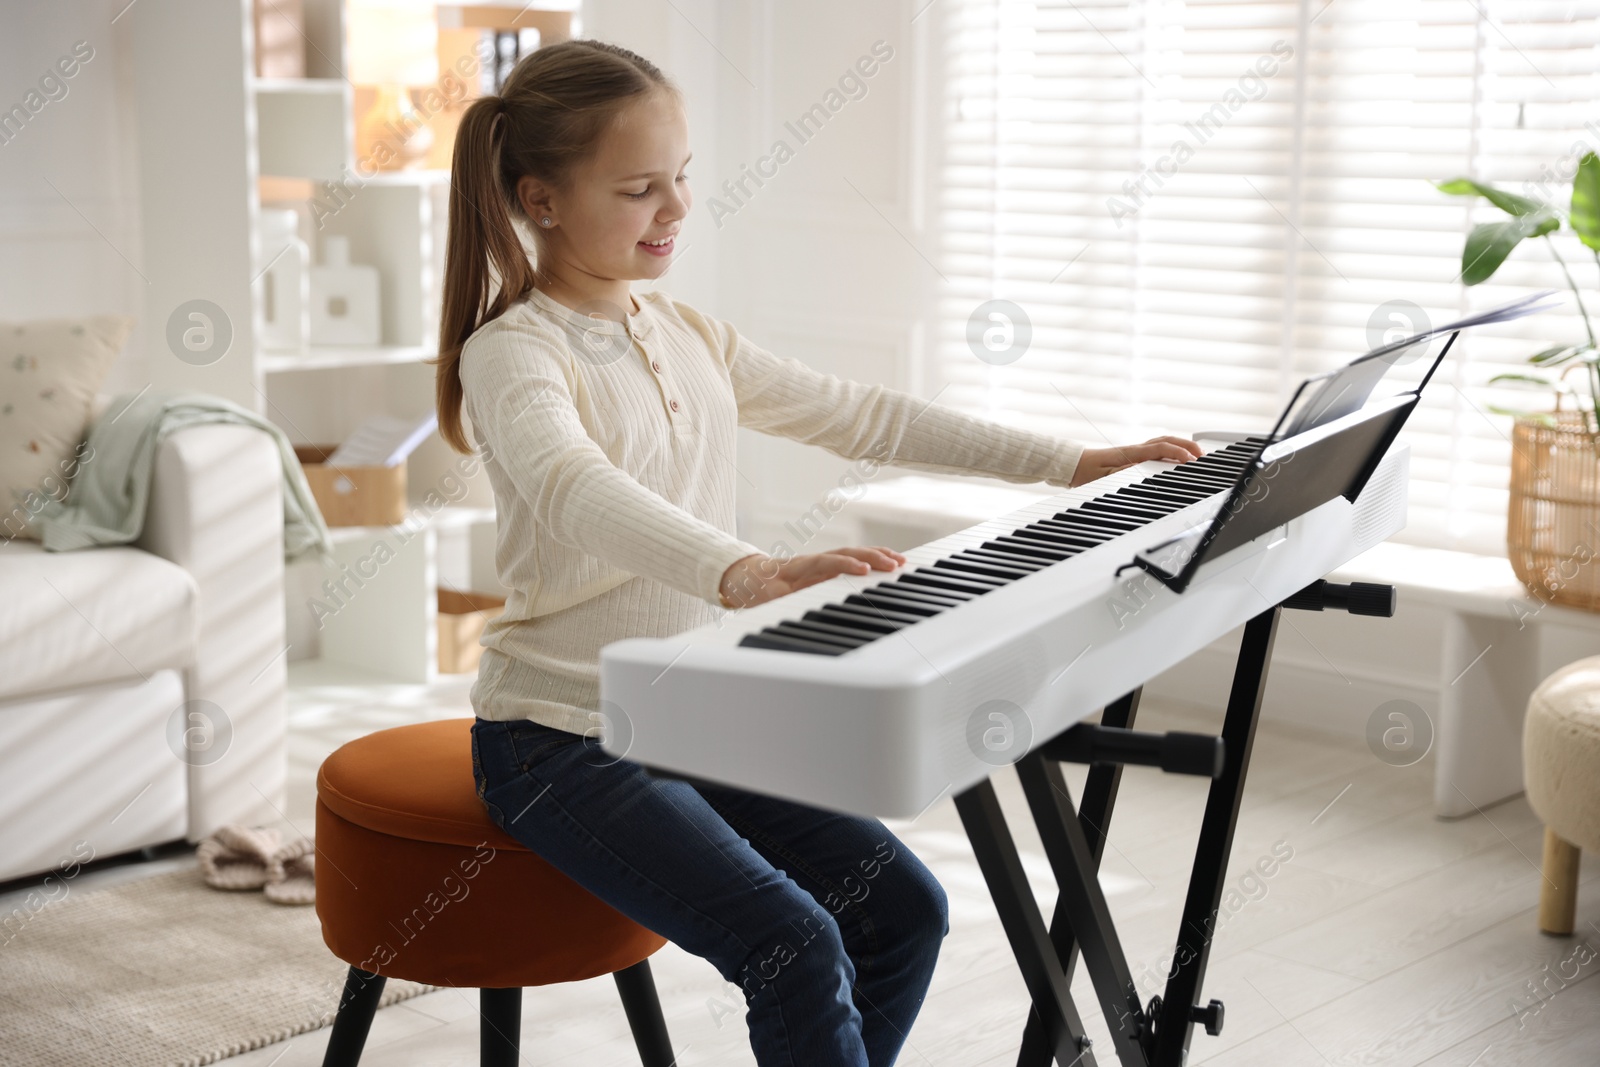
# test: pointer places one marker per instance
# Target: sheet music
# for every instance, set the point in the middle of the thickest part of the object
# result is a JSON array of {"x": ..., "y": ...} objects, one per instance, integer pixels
[
  {"x": 1516, "y": 309},
  {"x": 1348, "y": 389},
  {"x": 383, "y": 441}
]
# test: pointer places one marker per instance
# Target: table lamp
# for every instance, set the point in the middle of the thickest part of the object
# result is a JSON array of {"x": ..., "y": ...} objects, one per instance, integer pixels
[{"x": 394, "y": 44}]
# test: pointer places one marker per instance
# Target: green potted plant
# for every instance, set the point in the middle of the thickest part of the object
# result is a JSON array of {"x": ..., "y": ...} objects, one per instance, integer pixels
[{"x": 1553, "y": 519}]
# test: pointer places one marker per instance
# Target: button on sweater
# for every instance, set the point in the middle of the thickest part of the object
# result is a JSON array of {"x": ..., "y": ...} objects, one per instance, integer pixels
[{"x": 610, "y": 449}]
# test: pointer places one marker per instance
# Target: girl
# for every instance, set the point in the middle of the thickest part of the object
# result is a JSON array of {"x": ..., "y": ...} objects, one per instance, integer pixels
[{"x": 607, "y": 424}]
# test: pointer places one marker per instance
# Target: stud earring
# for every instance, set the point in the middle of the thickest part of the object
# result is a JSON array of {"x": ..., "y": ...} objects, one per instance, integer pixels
[{"x": 545, "y": 221}]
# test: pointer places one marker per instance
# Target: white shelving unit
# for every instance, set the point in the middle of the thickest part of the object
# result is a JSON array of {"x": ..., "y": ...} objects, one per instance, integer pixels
[{"x": 216, "y": 145}]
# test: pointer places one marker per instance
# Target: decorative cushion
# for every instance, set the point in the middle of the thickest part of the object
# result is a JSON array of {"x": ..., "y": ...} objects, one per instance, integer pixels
[
  {"x": 1561, "y": 752},
  {"x": 50, "y": 371}
]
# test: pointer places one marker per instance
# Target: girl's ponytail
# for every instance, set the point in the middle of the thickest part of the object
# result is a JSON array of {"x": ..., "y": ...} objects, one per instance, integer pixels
[
  {"x": 480, "y": 236},
  {"x": 549, "y": 117}
]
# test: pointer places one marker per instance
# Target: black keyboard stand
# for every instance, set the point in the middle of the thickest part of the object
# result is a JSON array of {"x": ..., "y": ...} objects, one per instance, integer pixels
[{"x": 1144, "y": 1035}]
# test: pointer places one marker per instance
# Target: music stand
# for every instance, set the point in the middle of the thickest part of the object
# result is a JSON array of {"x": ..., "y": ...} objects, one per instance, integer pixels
[{"x": 1333, "y": 438}]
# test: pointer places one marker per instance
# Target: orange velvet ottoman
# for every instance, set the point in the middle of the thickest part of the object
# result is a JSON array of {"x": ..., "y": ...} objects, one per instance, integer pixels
[{"x": 414, "y": 881}]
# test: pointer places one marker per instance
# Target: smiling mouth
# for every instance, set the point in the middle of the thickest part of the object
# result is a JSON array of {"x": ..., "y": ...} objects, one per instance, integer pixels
[{"x": 662, "y": 243}]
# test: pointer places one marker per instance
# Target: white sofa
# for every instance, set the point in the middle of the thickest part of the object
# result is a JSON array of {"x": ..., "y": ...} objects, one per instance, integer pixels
[{"x": 107, "y": 655}]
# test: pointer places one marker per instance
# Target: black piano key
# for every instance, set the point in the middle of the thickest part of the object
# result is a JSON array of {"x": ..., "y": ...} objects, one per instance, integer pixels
[
  {"x": 1107, "y": 506},
  {"x": 984, "y": 563},
  {"x": 1113, "y": 523},
  {"x": 1000, "y": 559},
  {"x": 901, "y": 618},
  {"x": 1229, "y": 471},
  {"x": 1180, "y": 497},
  {"x": 926, "y": 593},
  {"x": 845, "y": 633},
  {"x": 787, "y": 643},
  {"x": 951, "y": 580},
  {"x": 873, "y": 601},
  {"x": 991, "y": 570},
  {"x": 1105, "y": 521},
  {"x": 1152, "y": 491},
  {"x": 977, "y": 585},
  {"x": 811, "y": 633},
  {"x": 1035, "y": 549},
  {"x": 1085, "y": 528},
  {"x": 854, "y": 618},
  {"x": 1044, "y": 531},
  {"x": 1216, "y": 481},
  {"x": 1141, "y": 499},
  {"x": 875, "y": 611},
  {"x": 1166, "y": 505},
  {"x": 1133, "y": 509},
  {"x": 1058, "y": 542}
]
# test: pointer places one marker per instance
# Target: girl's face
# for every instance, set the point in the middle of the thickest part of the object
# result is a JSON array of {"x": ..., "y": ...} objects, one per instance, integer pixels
[{"x": 629, "y": 195}]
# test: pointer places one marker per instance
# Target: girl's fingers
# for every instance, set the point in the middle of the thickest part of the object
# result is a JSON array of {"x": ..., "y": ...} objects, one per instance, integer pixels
[
  {"x": 1192, "y": 448},
  {"x": 1176, "y": 453},
  {"x": 883, "y": 559},
  {"x": 819, "y": 567}
]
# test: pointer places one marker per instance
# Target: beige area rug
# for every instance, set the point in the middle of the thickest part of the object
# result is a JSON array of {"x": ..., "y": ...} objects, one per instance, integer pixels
[{"x": 164, "y": 971}]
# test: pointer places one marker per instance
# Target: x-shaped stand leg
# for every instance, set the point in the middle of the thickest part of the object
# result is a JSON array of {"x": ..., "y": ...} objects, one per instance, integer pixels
[
  {"x": 1099, "y": 798},
  {"x": 1061, "y": 1028}
]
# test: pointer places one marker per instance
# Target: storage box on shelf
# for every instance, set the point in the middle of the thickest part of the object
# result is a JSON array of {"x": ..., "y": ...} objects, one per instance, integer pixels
[
  {"x": 462, "y": 617},
  {"x": 351, "y": 495}
]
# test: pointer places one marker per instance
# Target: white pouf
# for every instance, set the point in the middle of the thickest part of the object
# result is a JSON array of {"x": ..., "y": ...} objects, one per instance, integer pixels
[{"x": 1561, "y": 772}]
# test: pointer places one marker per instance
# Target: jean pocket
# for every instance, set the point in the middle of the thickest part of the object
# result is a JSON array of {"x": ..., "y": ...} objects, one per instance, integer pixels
[
  {"x": 532, "y": 742},
  {"x": 477, "y": 763}
]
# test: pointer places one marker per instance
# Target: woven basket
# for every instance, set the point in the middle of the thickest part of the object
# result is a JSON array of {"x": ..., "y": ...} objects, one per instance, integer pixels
[{"x": 1553, "y": 521}]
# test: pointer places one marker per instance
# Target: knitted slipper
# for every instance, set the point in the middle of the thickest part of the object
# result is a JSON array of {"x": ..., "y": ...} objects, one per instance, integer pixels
[
  {"x": 291, "y": 874},
  {"x": 237, "y": 857}
]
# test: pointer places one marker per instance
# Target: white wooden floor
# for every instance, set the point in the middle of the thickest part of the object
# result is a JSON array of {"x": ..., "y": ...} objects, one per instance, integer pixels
[{"x": 1387, "y": 937}]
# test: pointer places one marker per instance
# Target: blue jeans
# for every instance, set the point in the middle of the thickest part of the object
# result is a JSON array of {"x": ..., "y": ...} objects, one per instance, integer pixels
[{"x": 826, "y": 922}]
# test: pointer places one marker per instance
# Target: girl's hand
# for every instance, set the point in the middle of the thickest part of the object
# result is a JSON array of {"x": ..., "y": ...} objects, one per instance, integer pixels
[
  {"x": 1099, "y": 462},
  {"x": 759, "y": 578}
]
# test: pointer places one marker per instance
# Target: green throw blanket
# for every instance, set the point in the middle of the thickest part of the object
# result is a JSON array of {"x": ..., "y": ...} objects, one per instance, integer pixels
[{"x": 107, "y": 502}]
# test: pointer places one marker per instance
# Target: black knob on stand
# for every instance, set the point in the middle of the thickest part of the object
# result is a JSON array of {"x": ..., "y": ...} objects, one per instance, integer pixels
[
  {"x": 1358, "y": 598},
  {"x": 1210, "y": 1015}
]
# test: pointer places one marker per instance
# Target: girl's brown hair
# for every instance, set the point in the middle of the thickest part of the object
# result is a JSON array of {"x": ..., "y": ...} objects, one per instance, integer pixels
[{"x": 547, "y": 119}]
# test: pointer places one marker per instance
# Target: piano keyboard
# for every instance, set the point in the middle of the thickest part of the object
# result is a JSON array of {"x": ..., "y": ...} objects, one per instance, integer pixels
[
  {"x": 877, "y": 713},
  {"x": 860, "y": 618}
]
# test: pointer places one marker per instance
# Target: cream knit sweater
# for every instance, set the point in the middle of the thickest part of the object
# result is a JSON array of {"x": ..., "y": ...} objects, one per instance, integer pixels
[{"x": 610, "y": 447}]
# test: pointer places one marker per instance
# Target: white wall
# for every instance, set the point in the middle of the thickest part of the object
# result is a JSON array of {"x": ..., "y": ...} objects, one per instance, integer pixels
[
  {"x": 810, "y": 263},
  {"x": 69, "y": 233}
]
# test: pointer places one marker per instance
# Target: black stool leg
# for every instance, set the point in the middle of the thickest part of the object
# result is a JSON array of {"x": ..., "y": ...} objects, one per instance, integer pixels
[
  {"x": 500, "y": 1029},
  {"x": 643, "y": 1007},
  {"x": 357, "y": 1005}
]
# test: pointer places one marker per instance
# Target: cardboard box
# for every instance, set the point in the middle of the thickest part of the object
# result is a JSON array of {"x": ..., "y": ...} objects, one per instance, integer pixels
[
  {"x": 354, "y": 496},
  {"x": 462, "y": 617}
]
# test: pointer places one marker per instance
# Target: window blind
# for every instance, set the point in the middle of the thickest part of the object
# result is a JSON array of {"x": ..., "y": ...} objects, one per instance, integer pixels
[{"x": 1196, "y": 204}]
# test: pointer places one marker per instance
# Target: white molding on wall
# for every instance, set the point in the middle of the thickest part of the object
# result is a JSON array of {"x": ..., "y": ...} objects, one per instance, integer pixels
[{"x": 1307, "y": 694}]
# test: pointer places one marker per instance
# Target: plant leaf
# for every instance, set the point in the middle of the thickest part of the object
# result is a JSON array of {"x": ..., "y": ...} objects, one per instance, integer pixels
[
  {"x": 1490, "y": 243},
  {"x": 1510, "y": 203},
  {"x": 1556, "y": 355},
  {"x": 1524, "y": 380},
  {"x": 1586, "y": 201}
]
